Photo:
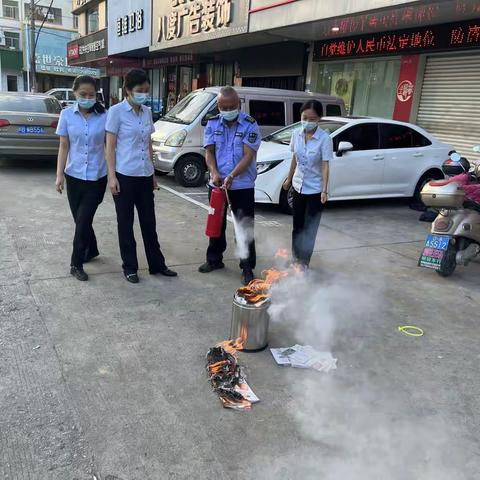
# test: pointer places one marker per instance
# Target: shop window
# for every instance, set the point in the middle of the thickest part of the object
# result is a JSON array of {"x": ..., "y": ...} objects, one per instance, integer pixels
[
  {"x": 268, "y": 113},
  {"x": 362, "y": 137},
  {"x": 399, "y": 136},
  {"x": 75, "y": 22},
  {"x": 92, "y": 20},
  {"x": 10, "y": 9},
  {"x": 12, "y": 83},
  {"x": 12, "y": 40},
  {"x": 334, "y": 111}
]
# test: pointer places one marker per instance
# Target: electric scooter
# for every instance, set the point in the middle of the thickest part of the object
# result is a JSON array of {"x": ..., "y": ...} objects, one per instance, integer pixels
[{"x": 454, "y": 238}]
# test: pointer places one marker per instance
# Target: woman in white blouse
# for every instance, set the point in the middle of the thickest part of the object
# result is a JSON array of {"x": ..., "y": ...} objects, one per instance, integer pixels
[{"x": 312, "y": 149}]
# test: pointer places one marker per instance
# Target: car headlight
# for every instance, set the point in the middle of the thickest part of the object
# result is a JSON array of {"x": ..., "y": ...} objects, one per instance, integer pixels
[
  {"x": 156, "y": 144},
  {"x": 263, "y": 167},
  {"x": 176, "y": 139}
]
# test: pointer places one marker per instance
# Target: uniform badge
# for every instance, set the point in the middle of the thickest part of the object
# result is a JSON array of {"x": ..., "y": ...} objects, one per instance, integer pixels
[{"x": 252, "y": 137}]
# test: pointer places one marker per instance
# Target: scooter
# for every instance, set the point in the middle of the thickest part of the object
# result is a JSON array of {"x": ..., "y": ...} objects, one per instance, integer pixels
[{"x": 454, "y": 238}]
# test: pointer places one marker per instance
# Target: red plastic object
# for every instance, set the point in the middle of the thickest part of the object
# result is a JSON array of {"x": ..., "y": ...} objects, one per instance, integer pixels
[{"x": 218, "y": 203}]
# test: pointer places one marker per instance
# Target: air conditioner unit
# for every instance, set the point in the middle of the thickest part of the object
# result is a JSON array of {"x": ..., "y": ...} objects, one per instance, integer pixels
[
  {"x": 3, "y": 41},
  {"x": 50, "y": 16}
]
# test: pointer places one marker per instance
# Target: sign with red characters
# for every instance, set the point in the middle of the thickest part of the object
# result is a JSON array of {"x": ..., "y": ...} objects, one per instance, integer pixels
[{"x": 425, "y": 39}]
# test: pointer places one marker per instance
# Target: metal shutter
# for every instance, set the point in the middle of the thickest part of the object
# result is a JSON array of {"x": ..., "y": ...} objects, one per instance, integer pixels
[{"x": 450, "y": 101}]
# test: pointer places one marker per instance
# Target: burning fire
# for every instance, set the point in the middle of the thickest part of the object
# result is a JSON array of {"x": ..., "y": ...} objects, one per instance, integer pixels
[
  {"x": 281, "y": 253},
  {"x": 258, "y": 290}
]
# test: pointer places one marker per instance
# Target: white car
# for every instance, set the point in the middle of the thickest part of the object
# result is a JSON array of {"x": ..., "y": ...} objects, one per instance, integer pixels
[{"x": 373, "y": 158}]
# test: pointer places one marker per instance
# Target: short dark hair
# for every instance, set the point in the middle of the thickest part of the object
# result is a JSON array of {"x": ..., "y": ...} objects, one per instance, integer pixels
[
  {"x": 135, "y": 77},
  {"x": 88, "y": 80},
  {"x": 314, "y": 105}
]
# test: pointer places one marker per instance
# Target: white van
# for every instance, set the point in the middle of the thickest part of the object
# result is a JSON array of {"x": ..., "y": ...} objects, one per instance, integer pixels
[
  {"x": 66, "y": 97},
  {"x": 178, "y": 139}
]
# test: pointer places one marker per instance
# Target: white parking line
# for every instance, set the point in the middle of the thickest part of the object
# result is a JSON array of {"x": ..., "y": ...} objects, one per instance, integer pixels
[{"x": 188, "y": 199}]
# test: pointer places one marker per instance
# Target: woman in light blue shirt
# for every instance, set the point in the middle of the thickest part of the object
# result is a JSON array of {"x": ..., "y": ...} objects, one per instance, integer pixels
[
  {"x": 81, "y": 162},
  {"x": 312, "y": 149},
  {"x": 131, "y": 175}
]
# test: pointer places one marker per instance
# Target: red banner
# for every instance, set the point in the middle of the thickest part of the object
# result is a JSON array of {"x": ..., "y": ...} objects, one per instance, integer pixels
[{"x": 406, "y": 88}]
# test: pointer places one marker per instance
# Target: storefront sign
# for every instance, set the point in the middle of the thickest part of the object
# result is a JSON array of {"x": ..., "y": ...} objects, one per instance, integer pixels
[
  {"x": 432, "y": 38},
  {"x": 184, "y": 59},
  {"x": 86, "y": 49},
  {"x": 51, "y": 54},
  {"x": 406, "y": 88},
  {"x": 180, "y": 22},
  {"x": 130, "y": 21},
  {"x": 410, "y": 16}
]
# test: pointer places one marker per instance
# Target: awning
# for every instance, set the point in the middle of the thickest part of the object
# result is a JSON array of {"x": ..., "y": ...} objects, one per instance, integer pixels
[{"x": 11, "y": 59}]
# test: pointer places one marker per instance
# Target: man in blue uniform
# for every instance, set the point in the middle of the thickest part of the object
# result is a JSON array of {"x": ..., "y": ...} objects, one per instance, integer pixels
[{"x": 231, "y": 142}]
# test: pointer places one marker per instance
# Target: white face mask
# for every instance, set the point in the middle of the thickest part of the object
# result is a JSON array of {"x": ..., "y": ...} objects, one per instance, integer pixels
[{"x": 229, "y": 116}]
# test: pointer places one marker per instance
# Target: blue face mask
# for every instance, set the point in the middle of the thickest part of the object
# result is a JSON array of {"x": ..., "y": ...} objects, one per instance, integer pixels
[
  {"x": 86, "y": 103},
  {"x": 309, "y": 126},
  {"x": 139, "y": 98},
  {"x": 229, "y": 116}
]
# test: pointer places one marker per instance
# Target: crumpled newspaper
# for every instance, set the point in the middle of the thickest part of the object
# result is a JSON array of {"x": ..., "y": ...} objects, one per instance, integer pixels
[{"x": 304, "y": 356}]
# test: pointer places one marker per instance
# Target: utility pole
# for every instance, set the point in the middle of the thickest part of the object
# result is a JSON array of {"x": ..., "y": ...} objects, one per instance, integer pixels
[{"x": 33, "y": 72}]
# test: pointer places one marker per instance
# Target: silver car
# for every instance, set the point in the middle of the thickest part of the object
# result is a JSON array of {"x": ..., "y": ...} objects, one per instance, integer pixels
[{"x": 27, "y": 125}]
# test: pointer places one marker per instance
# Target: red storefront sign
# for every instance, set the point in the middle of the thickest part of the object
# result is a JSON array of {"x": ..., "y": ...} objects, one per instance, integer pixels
[
  {"x": 73, "y": 51},
  {"x": 406, "y": 87}
]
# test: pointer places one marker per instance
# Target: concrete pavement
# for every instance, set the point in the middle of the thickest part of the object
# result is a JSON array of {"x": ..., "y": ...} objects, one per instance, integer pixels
[{"x": 106, "y": 380}]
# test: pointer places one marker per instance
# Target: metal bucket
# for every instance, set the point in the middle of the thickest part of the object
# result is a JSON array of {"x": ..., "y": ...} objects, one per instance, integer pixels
[{"x": 250, "y": 322}]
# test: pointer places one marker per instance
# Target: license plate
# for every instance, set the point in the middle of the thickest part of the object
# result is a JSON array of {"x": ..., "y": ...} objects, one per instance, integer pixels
[
  {"x": 27, "y": 130},
  {"x": 434, "y": 251}
]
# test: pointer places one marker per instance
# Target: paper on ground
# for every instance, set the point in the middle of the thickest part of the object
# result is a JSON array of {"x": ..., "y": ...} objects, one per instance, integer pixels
[
  {"x": 244, "y": 389},
  {"x": 304, "y": 356}
]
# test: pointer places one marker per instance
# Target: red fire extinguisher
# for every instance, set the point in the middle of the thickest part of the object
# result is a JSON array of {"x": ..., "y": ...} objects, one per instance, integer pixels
[{"x": 218, "y": 200}]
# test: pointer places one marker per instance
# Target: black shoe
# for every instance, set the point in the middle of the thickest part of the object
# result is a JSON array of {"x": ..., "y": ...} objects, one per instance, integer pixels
[
  {"x": 79, "y": 274},
  {"x": 247, "y": 276},
  {"x": 131, "y": 277},
  {"x": 210, "y": 267},
  {"x": 166, "y": 272}
]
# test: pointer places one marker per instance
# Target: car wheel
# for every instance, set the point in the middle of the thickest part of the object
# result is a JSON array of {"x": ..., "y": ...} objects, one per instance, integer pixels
[
  {"x": 417, "y": 203},
  {"x": 286, "y": 201},
  {"x": 449, "y": 263},
  {"x": 160, "y": 173},
  {"x": 190, "y": 171}
]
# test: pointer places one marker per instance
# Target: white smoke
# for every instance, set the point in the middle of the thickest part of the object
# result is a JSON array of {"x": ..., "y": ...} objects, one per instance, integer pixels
[
  {"x": 244, "y": 235},
  {"x": 358, "y": 422}
]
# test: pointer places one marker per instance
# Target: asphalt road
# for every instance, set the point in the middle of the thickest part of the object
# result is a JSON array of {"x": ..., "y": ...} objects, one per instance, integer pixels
[{"x": 106, "y": 380}]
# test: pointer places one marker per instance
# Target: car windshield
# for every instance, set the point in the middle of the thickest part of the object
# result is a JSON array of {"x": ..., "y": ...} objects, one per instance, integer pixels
[
  {"x": 29, "y": 104},
  {"x": 189, "y": 108},
  {"x": 284, "y": 136}
]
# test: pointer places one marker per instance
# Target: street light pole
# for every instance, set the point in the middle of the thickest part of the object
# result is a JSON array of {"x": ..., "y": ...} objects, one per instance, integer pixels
[{"x": 32, "y": 47}]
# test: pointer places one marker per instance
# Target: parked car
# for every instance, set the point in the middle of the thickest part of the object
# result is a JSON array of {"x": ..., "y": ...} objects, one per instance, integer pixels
[
  {"x": 178, "y": 139},
  {"x": 27, "y": 125},
  {"x": 373, "y": 158},
  {"x": 66, "y": 97}
]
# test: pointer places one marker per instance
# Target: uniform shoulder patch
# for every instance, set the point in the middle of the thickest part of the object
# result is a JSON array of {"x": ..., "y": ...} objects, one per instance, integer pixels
[
  {"x": 250, "y": 119},
  {"x": 252, "y": 137}
]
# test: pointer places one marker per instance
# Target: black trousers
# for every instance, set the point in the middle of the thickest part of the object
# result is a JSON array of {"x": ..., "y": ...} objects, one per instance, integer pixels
[
  {"x": 307, "y": 212},
  {"x": 84, "y": 197},
  {"x": 137, "y": 192},
  {"x": 243, "y": 207}
]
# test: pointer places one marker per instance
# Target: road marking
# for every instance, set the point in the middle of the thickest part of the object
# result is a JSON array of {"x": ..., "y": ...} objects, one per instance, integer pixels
[
  {"x": 196, "y": 193},
  {"x": 188, "y": 199}
]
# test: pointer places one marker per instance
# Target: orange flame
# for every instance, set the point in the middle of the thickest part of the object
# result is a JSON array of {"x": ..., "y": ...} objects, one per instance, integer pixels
[
  {"x": 281, "y": 253},
  {"x": 258, "y": 290}
]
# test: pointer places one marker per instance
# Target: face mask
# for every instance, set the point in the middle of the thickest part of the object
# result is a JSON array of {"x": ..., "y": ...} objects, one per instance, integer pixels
[
  {"x": 309, "y": 126},
  {"x": 139, "y": 98},
  {"x": 229, "y": 116},
  {"x": 86, "y": 103}
]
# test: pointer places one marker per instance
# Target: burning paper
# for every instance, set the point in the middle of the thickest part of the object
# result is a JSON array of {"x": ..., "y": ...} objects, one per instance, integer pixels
[
  {"x": 227, "y": 377},
  {"x": 258, "y": 290},
  {"x": 304, "y": 356}
]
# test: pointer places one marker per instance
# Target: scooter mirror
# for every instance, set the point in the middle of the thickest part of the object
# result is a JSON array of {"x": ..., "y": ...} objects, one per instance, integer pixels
[
  {"x": 455, "y": 157},
  {"x": 476, "y": 148}
]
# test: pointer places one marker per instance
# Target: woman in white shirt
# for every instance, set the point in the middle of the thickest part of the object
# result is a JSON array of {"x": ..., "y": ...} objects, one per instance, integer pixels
[
  {"x": 312, "y": 149},
  {"x": 131, "y": 175},
  {"x": 81, "y": 162}
]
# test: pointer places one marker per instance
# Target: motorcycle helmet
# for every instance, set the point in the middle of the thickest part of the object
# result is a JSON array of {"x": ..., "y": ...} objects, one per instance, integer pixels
[{"x": 455, "y": 165}]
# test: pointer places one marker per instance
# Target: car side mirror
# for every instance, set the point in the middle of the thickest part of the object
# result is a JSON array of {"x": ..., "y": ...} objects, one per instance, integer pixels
[
  {"x": 63, "y": 104},
  {"x": 208, "y": 117},
  {"x": 344, "y": 147}
]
